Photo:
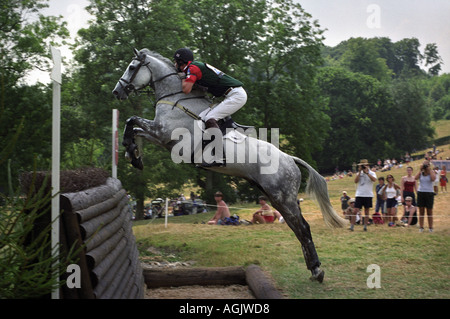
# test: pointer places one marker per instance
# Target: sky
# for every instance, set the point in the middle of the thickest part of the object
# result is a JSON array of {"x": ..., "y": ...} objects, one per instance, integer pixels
[{"x": 426, "y": 20}]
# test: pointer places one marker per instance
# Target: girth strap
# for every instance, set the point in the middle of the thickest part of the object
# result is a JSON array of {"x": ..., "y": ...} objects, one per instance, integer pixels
[{"x": 181, "y": 107}]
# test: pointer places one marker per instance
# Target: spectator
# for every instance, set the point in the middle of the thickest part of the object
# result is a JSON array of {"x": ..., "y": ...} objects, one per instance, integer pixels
[
  {"x": 364, "y": 190},
  {"x": 425, "y": 194},
  {"x": 265, "y": 215},
  {"x": 344, "y": 201},
  {"x": 222, "y": 210},
  {"x": 390, "y": 195},
  {"x": 443, "y": 179},
  {"x": 350, "y": 212},
  {"x": 409, "y": 218},
  {"x": 380, "y": 203},
  {"x": 408, "y": 186},
  {"x": 437, "y": 172}
]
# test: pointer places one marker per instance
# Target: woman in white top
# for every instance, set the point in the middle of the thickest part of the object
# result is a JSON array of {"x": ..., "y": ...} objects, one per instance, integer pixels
[
  {"x": 390, "y": 195},
  {"x": 425, "y": 194}
]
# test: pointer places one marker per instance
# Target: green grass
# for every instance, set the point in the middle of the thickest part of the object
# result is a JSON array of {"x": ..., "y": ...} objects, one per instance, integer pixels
[
  {"x": 442, "y": 128},
  {"x": 413, "y": 265}
]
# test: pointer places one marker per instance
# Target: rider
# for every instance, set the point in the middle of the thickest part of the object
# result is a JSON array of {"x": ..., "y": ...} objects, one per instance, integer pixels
[{"x": 214, "y": 81}]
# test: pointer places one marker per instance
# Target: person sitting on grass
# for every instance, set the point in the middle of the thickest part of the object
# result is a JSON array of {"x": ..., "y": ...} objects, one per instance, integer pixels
[
  {"x": 265, "y": 215},
  {"x": 410, "y": 216},
  {"x": 222, "y": 210}
]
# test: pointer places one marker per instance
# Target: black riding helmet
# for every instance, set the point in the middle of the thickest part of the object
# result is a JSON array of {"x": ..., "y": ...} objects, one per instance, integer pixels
[{"x": 184, "y": 55}]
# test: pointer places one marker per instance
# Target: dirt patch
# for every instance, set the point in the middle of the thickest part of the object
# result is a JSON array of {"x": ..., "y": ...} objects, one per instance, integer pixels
[
  {"x": 159, "y": 259},
  {"x": 201, "y": 292}
]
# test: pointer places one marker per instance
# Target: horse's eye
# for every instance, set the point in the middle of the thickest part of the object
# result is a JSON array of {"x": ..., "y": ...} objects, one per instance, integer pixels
[{"x": 132, "y": 67}]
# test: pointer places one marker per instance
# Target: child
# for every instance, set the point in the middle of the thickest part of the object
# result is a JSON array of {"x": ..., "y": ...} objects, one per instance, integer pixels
[{"x": 350, "y": 213}]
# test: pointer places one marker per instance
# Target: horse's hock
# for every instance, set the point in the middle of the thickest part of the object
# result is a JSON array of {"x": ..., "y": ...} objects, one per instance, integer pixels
[{"x": 98, "y": 221}]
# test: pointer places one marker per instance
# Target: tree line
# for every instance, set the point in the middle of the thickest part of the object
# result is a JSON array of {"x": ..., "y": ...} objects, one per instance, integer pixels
[{"x": 364, "y": 98}]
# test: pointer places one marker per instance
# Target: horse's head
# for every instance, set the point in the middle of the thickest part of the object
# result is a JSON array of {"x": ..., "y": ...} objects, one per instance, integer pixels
[{"x": 137, "y": 76}]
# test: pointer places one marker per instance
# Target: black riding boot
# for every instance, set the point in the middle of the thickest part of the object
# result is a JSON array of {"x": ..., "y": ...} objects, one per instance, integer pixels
[{"x": 211, "y": 123}]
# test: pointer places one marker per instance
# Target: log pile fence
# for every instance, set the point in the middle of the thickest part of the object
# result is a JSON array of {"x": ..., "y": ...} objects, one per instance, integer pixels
[{"x": 98, "y": 220}]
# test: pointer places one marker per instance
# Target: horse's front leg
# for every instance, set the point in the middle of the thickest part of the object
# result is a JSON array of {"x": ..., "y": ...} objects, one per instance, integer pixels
[{"x": 146, "y": 128}]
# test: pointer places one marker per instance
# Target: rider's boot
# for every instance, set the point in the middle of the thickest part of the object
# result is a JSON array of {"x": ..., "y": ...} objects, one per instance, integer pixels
[{"x": 211, "y": 123}]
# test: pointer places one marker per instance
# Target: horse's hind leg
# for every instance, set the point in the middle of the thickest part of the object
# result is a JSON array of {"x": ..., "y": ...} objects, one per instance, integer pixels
[{"x": 292, "y": 214}]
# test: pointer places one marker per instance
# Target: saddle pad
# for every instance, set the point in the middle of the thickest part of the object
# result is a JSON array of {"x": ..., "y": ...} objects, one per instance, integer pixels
[{"x": 232, "y": 135}]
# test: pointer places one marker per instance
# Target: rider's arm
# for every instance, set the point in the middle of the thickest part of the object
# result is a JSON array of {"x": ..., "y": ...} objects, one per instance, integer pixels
[
  {"x": 193, "y": 74},
  {"x": 187, "y": 86}
]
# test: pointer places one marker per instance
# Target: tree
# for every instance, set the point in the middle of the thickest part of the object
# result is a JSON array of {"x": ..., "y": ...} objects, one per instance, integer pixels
[
  {"x": 356, "y": 105},
  {"x": 102, "y": 52},
  {"x": 378, "y": 57},
  {"x": 25, "y": 37},
  {"x": 285, "y": 63},
  {"x": 438, "y": 96},
  {"x": 408, "y": 54},
  {"x": 432, "y": 59},
  {"x": 25, "y": 110},
  {"x": 410, "y": 119},
  {"x": 362, "y": 56},
  {"x": 273, "y": 46}
]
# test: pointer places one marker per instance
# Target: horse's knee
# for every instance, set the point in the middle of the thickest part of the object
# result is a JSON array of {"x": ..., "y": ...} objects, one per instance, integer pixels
[{"x": 131, "y": 120}]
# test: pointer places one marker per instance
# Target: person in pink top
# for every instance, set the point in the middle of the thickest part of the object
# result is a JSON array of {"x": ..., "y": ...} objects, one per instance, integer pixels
[{"x": 443, "y": 178}]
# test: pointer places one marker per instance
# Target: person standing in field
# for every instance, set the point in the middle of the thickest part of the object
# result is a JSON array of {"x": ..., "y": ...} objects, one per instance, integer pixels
[
  {"x": 344, "y": 201},
  {"x": 390, "y": 195},
  {"x": 364, "y": 179},
  {"x": 443, "y": 179},
  {"x": 425, "y": 194}
]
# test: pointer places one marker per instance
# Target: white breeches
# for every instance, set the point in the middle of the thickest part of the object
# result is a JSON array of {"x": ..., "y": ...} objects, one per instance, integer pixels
[{"x": 232, "y": 103}]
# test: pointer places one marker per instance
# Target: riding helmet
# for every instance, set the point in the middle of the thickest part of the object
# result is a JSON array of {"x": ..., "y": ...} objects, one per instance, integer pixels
[{"x": 185, "y": 55}]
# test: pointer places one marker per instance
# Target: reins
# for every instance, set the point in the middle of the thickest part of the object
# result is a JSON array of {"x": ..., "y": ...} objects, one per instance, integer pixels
[{"x": 130, "y": 88}]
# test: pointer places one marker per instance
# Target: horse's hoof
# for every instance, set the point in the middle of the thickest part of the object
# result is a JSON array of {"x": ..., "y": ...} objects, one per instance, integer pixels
[
  {"x": 133, "y": 150},
  {"x": 317, "y": 275},
  {"x": 137, "y": 162},
  {"x": 133, "y": 155}
]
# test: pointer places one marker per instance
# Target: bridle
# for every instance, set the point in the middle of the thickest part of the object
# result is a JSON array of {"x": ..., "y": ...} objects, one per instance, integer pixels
[{"x": 130, "y": 88}]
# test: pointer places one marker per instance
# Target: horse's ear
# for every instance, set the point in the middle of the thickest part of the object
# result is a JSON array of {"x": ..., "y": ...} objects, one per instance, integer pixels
[{"x": 136, "y": 52}]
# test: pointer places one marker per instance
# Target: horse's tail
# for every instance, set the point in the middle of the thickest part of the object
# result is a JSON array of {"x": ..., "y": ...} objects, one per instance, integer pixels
[{"x": 317, "y": 188}]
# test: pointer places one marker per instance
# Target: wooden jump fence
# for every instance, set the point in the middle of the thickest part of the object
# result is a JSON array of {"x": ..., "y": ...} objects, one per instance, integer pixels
[
  {"x": 100, "y": 219},
  {"x": 96, "y": 222}
]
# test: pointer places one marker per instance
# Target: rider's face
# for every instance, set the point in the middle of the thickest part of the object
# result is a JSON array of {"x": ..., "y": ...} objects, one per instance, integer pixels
[{"x": 179, "y": 66}]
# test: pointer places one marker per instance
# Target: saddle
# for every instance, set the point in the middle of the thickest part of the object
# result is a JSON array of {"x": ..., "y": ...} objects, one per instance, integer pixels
[
  {"x": 228, "y": 122},
  {"x": 225, "y": 125}
]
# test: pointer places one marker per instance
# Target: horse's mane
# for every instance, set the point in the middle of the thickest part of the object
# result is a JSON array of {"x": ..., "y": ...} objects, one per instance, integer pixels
[{"x": 158, "y": 56}]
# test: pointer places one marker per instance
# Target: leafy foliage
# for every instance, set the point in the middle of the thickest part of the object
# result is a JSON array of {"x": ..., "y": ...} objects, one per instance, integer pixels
[
  {"x": 361, "y": 98},
  {"x": 28, "y": 268}
]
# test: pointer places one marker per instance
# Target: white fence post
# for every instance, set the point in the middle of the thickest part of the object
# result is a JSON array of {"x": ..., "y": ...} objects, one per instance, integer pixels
[
  {"x": 115, "y": 142},
  {"x": 56, "y": 154}
]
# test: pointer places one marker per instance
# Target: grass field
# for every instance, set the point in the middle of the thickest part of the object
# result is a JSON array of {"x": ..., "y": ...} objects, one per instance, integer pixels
[{"x": 412, "y": 264}]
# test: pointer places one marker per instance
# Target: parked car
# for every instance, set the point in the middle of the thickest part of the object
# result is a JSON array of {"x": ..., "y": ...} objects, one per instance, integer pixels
[{"x": 189, "y": 207}]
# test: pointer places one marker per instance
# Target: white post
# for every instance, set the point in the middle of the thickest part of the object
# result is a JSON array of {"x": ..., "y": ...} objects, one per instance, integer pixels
[
  {"x": 56, "y": 142},
  {"x": 115, "y": 142},
  {"x": 167, "y": 212}
]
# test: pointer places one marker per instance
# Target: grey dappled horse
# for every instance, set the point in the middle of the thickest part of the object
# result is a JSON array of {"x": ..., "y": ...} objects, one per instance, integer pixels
[{"x": 175, "y": 111}]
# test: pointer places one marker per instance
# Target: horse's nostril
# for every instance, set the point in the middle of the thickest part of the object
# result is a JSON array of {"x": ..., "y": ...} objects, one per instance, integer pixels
[{"x": 115, "y": 93}]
